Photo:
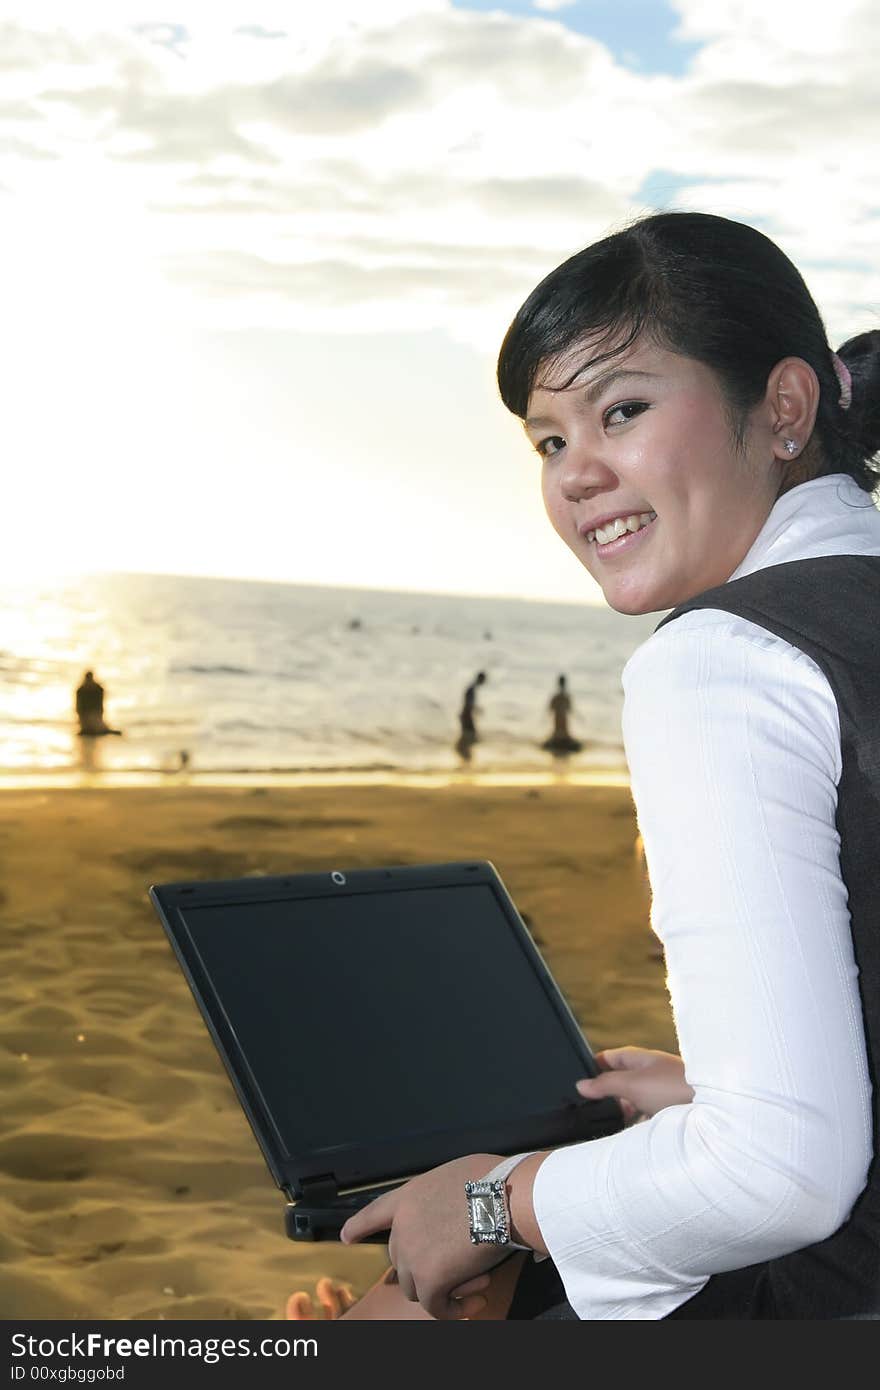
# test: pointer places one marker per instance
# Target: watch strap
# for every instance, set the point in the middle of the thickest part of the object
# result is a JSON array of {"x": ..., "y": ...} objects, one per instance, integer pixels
[
  {"x": 500, "y": 1173},
  {"x": 506, "y": 1166},
  {"x": 503, "y": 1170}
]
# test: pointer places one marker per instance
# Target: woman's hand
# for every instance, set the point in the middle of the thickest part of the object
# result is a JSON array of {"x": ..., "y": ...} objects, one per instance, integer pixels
[
  {"x": 643, "y": 1081},
  {"x": 429, "y": 1243}
]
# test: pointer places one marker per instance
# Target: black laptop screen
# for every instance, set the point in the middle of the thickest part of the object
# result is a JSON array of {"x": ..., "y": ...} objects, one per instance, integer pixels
[{"x": 377, "y": 1014}]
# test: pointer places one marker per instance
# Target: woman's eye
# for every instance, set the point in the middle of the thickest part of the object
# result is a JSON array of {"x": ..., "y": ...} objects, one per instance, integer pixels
[
  {"x": 550, "y": 446},
  {"x": 626, "y": 410}
]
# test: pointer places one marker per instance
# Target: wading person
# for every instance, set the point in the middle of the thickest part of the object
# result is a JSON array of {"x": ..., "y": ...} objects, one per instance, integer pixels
[
  {"x": 466, "y": 716},
  {"x": 561, "y": 740},
  {"x": 90, "y": 708}
]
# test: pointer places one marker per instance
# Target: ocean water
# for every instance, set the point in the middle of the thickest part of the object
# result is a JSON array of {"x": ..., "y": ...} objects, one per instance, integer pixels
[{"x": 249, "y": 677}]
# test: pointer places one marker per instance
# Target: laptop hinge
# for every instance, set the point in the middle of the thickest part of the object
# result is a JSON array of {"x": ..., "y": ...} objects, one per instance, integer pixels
[{"x": 321, "y": 1188}]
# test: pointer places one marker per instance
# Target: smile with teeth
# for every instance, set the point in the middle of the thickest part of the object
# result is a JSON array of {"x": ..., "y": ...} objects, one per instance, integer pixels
[{"x": 612, "y": 530}]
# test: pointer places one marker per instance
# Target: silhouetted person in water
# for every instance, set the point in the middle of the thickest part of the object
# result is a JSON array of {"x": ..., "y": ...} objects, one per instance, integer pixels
[
  {"x": 90, "y": 708},
  {"x": 469, "y": 734},
  {"x": 561, "y": 741}
]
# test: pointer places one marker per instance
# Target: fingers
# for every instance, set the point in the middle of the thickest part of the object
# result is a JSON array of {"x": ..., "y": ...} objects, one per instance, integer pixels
[
  {"x": 335, "y": 1299},
  {"x": 477, "y": 1285},
  {"x": 407, "y": 1285},
  {"x": 609, "y": 1084},
  {"x": 300, "y": 1307},
  {"x": 376, "y": 1216},
  {"x": 463, "y": 1302},
  {"x": 466, "y": 1301},
  {"x": 403, "y": 1277},
  {"x": 624, "y": 1058},
  {"x": 614, "y": 1059},
  {"x": 594, "y": 1087},
  {"x": 467, "y": 1307},
  {"x": 448, "y": 1308}
]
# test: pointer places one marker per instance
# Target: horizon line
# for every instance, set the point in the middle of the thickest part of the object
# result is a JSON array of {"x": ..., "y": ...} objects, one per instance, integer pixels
[{"x": 68, "y": 575}]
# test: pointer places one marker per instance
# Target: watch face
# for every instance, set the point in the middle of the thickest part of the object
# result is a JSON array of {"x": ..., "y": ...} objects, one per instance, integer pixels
[
  {"x": 482, "y": 1215},
  {"x": 486, "y": 1211}
]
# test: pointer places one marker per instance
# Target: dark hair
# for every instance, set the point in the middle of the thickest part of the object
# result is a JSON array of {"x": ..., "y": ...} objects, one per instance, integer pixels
[{"x": 708, "y": 288}]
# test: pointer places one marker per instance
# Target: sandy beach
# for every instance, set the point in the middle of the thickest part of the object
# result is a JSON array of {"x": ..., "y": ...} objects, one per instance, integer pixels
[{"x": 130, "y": 1183}]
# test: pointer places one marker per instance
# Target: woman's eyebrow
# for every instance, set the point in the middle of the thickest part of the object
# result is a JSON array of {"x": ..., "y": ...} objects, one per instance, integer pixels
[{"x": 593, "y": 391}]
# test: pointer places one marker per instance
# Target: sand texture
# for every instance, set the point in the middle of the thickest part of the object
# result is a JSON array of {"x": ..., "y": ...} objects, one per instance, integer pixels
[{"x": 130, "y": 1183}]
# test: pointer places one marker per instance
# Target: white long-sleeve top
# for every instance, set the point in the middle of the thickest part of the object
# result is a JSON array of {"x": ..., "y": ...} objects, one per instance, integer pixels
[{"x": 733, "y": 742}]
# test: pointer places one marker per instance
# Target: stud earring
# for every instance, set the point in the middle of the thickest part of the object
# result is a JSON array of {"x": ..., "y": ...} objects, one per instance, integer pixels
[{"x": 790, "y": 446}]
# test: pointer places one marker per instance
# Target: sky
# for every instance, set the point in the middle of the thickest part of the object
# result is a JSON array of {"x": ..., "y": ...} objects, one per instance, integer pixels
[{"x": 259, "y": 257}]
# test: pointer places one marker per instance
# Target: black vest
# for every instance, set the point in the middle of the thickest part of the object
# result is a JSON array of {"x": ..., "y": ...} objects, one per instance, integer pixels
[{"x": 829, "y": 608}]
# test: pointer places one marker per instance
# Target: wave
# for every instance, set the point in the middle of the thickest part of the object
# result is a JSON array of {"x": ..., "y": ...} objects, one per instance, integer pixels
[
  {"x": 416, "y": 767},
  {"x": 219, "y": 670},
  {"x": 29, "y": 721}
]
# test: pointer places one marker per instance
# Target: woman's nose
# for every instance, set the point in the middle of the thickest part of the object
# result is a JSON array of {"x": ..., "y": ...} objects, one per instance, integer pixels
[{"x": 583, "y": 472}]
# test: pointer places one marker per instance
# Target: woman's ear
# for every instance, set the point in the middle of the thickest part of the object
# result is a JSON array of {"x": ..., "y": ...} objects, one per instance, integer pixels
[{"x": 792, "y": 402}]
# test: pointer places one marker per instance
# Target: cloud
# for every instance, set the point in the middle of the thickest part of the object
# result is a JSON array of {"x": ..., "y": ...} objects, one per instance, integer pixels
[
  {"x": 554, "y": 197},
  {"x": 740, "y": 116},
  {"x": 419, "y": 125},
  {"x": 174, "y": 37},
  {"x": 24, "y": 149},
  {"x": 336, "y": 283},
  {"x": 22, "y": 48},
  {"x": 342, "y": 96},
  {"x": 143, "y": 123},
  {"x": 257, "y": 31},
  {"x": 336, "y": 186}
]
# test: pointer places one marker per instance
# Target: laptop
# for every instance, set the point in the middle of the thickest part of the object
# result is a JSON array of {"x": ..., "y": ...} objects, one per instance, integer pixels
[{"x": 379, "y": 1022}]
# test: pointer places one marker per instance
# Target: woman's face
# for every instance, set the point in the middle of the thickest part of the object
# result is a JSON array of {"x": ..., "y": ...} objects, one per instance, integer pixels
[{"x": 643, "y": 440}]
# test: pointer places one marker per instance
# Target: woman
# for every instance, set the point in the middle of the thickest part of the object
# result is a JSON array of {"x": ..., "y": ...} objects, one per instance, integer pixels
[{"x": 703, "y": 450}]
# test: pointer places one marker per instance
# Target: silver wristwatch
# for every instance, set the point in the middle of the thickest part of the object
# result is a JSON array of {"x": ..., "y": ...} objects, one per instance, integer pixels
[{"x": 488, "y": 1211}]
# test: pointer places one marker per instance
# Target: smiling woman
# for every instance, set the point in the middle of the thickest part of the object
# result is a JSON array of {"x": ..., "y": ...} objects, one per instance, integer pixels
[
  {"x": 677, "y": 310},
  {"x": 704, "y": 449},
  {"x": 615, "y": 462}
]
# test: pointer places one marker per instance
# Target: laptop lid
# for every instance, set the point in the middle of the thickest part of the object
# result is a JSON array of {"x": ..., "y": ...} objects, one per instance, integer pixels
[{"x": 378, "y": 1022}]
